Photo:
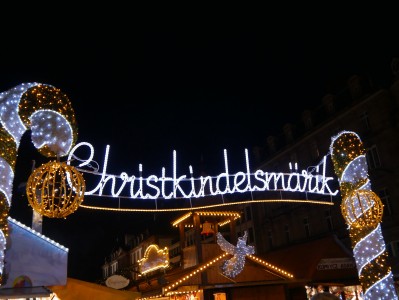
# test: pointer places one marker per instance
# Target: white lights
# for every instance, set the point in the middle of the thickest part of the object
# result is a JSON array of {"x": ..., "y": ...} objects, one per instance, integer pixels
[
  {"x": 9, "y": 117},
  {"x": 232, "y": 267},
  {"x": 6, "y": 180},
  {"x": 43, "y": 237},
  {"x": 154, "y": 187},
  {"x": 50, "y": 128},
  {"x": 2, "y": 249}
]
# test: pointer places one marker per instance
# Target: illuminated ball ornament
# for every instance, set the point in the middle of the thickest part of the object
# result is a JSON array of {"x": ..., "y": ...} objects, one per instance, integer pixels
[
  {"x": 363, "y": 208},
  {"x": 55, "y": 189}
]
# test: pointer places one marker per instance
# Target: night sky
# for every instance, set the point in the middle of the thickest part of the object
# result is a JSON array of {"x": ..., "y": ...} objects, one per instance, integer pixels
[{"x": 194, "y": 91}]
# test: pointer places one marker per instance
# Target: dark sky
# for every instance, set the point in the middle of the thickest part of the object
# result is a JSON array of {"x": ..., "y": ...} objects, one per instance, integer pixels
[{"x": 194, "y": 91}]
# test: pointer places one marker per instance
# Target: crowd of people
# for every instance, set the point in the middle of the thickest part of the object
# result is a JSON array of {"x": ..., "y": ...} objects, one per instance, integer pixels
[{"x": 321, "y": 292}]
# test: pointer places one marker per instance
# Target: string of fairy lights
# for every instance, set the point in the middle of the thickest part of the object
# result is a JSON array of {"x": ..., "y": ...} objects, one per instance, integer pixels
[{"x": 152, "y": 210}]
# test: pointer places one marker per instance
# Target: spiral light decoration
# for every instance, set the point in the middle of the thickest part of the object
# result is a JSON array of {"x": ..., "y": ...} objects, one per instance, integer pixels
[
  {"x": 362, "y": 210},
  {"x": 48, "y": 113}
]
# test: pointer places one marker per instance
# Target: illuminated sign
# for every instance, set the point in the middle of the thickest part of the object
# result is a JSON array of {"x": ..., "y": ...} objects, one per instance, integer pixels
[
  {"x": 154, "y": 259},
  {"x": 117, "y": 282},
  {"x": 182, "y": 186},
  {"x": 336, "y": 263}
]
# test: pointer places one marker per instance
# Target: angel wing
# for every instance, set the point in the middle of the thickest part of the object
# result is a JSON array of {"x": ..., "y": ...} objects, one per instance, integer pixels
[{"x": 224, "y": 244}]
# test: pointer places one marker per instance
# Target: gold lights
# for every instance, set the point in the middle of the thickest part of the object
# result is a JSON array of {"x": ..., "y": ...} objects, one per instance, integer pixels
[
  {"x": 154, "y": 259},
  {"x": 204, "y": 207},
  {"x": 271, "y": 268},
  {"x": 363, "y": 208},
  {"x": 45, "y": 97},
  {"x": 227, "y": 216},
  {"x": 55, "y": 189}
]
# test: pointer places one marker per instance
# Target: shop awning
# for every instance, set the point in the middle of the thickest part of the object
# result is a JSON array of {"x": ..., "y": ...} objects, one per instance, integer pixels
[
  {"x": 25, "y": 292},
  {"x": 82, "y": 290}
]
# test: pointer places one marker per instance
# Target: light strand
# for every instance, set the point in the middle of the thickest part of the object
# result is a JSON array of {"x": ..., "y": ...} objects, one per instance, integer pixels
[{"x": 202, "y": 207}]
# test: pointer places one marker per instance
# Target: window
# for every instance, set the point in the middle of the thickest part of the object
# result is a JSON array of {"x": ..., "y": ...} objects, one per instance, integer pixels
[
  {"x": 190, "y": 239},
  {"x": 105, "y": 272},
  {"x": 287, "y": 233},
  {"x": 373, "y": 159},
  {"x": 327, "y": 215},
  {"x": 385, "y": 199},
  {"x": 306, "y": 226},
  {"x": 364, "y": 117},
  {"x": 114, "y": 267}
]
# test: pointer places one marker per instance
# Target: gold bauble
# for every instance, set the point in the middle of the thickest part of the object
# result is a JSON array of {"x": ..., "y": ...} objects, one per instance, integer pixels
[
  {"x": 55, "y": 189},
  {"x": 362, "y": 208}
]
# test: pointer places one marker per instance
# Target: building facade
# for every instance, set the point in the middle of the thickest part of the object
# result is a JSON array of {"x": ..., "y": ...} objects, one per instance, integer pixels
[{"x": 361, "y": 107}]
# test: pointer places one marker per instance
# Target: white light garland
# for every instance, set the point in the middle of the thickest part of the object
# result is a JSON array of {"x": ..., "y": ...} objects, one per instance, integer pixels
[
  {"x": 2, "y": 249},
  {"x": 50, "y": 128},
  {"x": 9, "y": 117},
  {"x": 154, "y": 187},
  {"x": 38, "y": 234}
]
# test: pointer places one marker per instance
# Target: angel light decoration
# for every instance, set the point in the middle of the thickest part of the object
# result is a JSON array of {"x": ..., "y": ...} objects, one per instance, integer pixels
[{"x": 232, "y": 267}]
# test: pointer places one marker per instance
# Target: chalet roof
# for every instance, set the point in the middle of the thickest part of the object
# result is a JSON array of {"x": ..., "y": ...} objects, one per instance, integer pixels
[
  {"x": 222, "y": 217},
  {"x": 256, "y": 272}
]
